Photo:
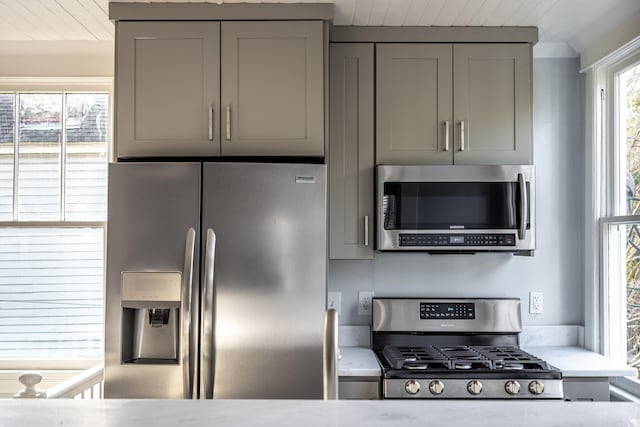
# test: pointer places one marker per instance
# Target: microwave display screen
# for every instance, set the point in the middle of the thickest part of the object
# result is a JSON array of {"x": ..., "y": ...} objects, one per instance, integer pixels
[{"x": 451, "y": 205}]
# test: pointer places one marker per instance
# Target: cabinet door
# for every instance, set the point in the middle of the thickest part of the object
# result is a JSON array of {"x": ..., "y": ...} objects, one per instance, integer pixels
[
  {"x": 272, "y": 88},
  {"x": 413, "y": 104},
  {"x": 492, "y": 103},
  {"x": 351, "y": 151},
  {"x": 167, "y": 89}
]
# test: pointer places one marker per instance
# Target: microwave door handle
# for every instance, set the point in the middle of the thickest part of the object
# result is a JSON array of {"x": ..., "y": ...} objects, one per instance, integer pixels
[
  {"x": 206, "y": 330},
  {"x": 524, "y": 203}
]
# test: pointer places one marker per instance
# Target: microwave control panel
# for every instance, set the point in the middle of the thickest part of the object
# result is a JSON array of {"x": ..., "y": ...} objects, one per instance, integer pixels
[
  {"x": 447, "y": 310},
  {"x": 457, "y": 240}
]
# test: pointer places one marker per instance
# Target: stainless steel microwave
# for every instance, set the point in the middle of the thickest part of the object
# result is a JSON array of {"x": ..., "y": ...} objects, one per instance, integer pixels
[{"x": 456, "y": 208}]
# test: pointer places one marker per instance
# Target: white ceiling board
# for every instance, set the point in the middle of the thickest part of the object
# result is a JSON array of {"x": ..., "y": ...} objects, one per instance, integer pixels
[
  {"x": 378, "y": 12},
  {"x": 91, "y": 16},
  {"x": 344, "y": 12},
  {"x": 362, "y": 12},
  {"x": 501, "y": 14},
  {"x": 559, "y": 21},
  {"x": 466, "y": 15},
  {"x": 397, "y": 13},
  {"x": 450, "y": 11},
  {"x": 415, "y": 12},
  {"x": 431, "y": 12},
  {"x": 482, "y": 14}
]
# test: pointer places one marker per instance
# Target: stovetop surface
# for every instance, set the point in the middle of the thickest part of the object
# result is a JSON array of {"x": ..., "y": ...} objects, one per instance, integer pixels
[{"x": 462, "y": 361}]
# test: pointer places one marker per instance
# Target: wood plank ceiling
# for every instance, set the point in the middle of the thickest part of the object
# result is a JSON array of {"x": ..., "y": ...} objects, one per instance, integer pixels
[{"x": 558, "y": 20}]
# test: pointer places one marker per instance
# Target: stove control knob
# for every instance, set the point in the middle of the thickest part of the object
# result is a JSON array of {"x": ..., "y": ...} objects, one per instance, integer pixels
[
  {"x": 412, "y": 387},
  {"x": 512, "y": 387},
  {"x": 474, "y": 387},
  {"x": 436, "y": 387},
  {"x": 536, "y": 387}
]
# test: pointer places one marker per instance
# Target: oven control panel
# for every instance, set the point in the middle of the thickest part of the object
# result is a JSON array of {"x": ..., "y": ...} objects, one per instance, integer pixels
[{"x": 447, "y": 310}]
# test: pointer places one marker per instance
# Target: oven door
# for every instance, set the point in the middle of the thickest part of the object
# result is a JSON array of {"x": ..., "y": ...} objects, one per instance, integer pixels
[{"x": 456, "y": 208}]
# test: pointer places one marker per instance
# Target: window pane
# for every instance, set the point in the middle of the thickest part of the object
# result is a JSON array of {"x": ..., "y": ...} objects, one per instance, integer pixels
[
  {"x": 51, "y": 287},
  {"x": 86, "y": 162},
  {"x": 633, "y": 294},
  {"x": 7, "y": 126},
  {"x": 629, "y": 129},
  {"x": 39, "y": 156}
]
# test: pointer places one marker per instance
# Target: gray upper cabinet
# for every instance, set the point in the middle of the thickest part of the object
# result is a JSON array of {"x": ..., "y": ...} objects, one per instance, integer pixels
[
  {"x": 198, "y": 88},
  {"x": 413, "y": 103},
  {"x": 351, "y": 148},
  {"x": 272, "y": 88},
  {"x": 167, "y": 82},
  {"x": 453, "y": 103},
  {"x": 492, "y": 103}
]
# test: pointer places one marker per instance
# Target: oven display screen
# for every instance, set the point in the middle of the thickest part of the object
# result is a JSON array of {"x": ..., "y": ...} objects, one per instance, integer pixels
[{"x": 447, "y": 310}]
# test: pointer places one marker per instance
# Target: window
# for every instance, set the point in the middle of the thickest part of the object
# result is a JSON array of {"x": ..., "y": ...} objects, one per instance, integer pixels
[
  {"x": 53, "y": 166},
  {"x": 619, "y": 89}
]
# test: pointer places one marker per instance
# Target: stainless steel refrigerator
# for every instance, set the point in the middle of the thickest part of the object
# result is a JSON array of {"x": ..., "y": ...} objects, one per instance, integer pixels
[{"x": 216, "y": 280}]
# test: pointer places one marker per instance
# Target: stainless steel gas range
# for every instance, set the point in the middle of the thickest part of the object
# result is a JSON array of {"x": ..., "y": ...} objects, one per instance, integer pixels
[{"x": 457, "y": 348}]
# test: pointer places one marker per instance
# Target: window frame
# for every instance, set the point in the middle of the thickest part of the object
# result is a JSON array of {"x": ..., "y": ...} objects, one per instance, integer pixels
[
  {"x": 62, "y": 85},
  {"x": 603, "y": 189}
]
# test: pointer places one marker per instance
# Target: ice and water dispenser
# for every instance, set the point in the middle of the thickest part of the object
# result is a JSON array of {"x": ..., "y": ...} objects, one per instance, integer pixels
[{"x": 151, "y": 317}]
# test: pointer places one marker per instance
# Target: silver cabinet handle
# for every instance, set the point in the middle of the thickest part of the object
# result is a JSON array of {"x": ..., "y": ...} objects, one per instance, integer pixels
[
  {"x": 330, "y": 348},
  {"x": 524, "y": 203},
  {"x": 206, "y": 331},
  {"x": 446, "y": 135},
  {"x": 228, "y": 122},
  {"x": 462, "y": 135},
  {"x": 366, "y": 230},
  {"x": 185, "y": 308},
  {"x": 211, "y": 122}
]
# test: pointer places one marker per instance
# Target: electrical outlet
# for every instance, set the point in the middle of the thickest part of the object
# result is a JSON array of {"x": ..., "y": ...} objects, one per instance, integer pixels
[
  {"x": 334, "y": 300},
  {"x": 364, "y": 303},
  {"x": 536, "y": 303}
]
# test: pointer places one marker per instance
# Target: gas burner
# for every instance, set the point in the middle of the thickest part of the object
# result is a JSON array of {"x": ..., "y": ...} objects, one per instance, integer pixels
[
  {"x": 512, "y": 365},
  {"x": 462, "y": 365}
]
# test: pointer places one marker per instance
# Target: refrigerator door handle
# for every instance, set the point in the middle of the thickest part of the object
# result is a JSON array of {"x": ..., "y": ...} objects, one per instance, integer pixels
[
  {"x": 187, "y": 292},
  {"x": 206, "y": 332},
  {"x": 330, "y": 347}
]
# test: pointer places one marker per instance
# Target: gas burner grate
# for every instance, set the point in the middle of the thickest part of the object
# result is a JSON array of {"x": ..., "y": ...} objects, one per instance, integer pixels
[
  {"x": 461, "y": 358},
  {"x": 415, "y": 358}
]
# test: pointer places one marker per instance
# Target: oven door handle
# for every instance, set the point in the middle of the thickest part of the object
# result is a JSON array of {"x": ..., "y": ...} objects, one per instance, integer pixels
[{"x": 524, "y": 203}]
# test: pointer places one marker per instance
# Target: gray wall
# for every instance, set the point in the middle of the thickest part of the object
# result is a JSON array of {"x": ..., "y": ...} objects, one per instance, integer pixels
[{"x": 556, "y": 269}]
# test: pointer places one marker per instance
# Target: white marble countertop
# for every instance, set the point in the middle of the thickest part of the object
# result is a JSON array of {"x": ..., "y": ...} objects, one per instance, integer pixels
[
  {"x": 578, "y": 362},
  {"x": 312, "y": 413},
  {"x": 358, "y": 362}
]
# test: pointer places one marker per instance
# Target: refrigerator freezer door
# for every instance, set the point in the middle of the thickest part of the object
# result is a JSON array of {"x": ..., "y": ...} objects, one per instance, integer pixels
[
  {"x": 152, "y": 207},
  {"x": 270, "y": 279}
]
